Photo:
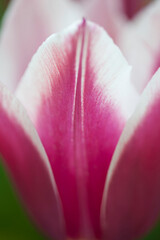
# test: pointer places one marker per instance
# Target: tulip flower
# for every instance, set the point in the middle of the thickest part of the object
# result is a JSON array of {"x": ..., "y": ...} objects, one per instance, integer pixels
[
  {"x": 79, "y": 134},
  {"x": 85, "y": 156}
]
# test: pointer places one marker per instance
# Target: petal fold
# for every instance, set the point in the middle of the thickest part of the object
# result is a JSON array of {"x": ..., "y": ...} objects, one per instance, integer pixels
[
  {"x": 131, "y": 201},
  {"x": 28, "y": 166},
  {"x": 78, "y": 94}
]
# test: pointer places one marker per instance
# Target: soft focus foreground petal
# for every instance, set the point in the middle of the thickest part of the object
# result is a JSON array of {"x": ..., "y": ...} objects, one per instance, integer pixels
[
  {"x": 131, "y": 201},
  {"x": 28, "y": 165},
  {"x": 26, "y": 25},
  {"x": 78, "y": 95},
  {"x": 140, "y": 43}
]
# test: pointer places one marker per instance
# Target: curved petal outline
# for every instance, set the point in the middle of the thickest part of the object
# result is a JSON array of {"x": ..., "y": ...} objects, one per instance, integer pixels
[
  {"x": 131, "y": 197},
  {"x": 28, "y": 166}
]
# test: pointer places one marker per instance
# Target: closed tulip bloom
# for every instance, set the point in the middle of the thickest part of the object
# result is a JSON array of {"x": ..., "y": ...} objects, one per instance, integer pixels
[
  {"x": 86, "y": 164},
  {"x": 79, "y": 125}
]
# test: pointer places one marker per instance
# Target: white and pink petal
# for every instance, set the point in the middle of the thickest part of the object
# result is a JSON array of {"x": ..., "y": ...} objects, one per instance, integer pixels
[
  {"x": 131, "y": 201},
  {"x": 78, "y": 94},
  {"x": 28, "y": 166},
  {"x": 28, "y": 23}
]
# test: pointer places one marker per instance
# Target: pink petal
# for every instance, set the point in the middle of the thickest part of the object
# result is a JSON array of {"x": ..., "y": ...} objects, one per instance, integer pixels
[
  {"x": 131, "y": 202},
  {"x": 78, "y": 95},
  {"x": 28, "y": 166},
  {"x": 140, "y": 43}
]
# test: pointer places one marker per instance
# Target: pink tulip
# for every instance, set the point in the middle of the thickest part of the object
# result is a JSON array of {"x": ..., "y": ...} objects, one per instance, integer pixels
[
  {"x": 87, "y": 165},
  {"x": 82, "y": 167}
]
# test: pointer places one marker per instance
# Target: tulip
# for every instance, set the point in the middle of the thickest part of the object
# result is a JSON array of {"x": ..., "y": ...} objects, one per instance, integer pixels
[
  {"x": 85, "y": 157},
  {"x": 85, "y": 217}
]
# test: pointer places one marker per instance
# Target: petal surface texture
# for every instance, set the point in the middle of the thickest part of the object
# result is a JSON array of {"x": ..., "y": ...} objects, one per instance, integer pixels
[
  {"x": 28, "y": 23},
  {"x": 131, "y": 202},
  {"x": 78, "y": 95},
  {"x": 28, "y": 166},
  {"x": 140, "y": 44}
]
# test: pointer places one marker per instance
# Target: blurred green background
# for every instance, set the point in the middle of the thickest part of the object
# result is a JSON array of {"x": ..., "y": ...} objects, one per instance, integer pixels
[
  {"x": 14, "y": 222},
  {"x": 3, "y": 6}
]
